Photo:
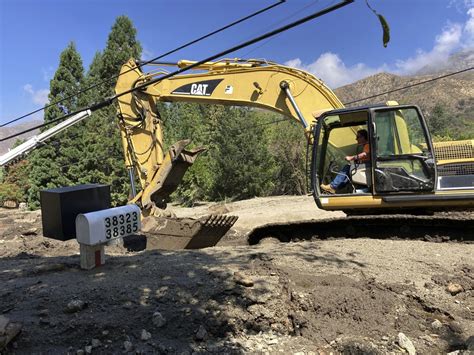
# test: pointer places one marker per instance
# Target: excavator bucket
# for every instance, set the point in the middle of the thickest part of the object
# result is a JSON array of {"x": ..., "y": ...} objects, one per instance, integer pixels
[
  {"x": 170, "y": 174},
  {"x": 185, "y": 233},
  {"x": 171, "y": 233}
]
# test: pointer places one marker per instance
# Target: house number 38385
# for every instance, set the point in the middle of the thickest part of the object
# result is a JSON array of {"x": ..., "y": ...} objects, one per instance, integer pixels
[{"x": 121, "y": 225}]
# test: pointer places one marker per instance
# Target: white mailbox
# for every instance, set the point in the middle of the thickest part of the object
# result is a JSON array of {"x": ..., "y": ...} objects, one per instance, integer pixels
[{"x": 99, "y": 227}]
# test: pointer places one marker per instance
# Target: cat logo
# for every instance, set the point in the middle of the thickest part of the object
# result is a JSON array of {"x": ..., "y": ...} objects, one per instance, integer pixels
[{"x": 201, "y": 88}]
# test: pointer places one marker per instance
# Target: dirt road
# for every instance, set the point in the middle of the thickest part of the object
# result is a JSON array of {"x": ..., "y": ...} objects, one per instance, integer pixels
[{"x": 321, "y": 296}]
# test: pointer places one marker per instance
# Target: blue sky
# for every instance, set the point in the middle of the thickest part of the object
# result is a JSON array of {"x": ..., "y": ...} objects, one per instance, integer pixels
[{"x": 340, "y": 47}]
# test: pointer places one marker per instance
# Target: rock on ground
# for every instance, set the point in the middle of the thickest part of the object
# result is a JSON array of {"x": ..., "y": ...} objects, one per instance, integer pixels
[{"x": 338, "y": 295}]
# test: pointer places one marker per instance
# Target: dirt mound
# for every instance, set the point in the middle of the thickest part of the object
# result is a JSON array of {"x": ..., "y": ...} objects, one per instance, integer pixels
[{"x": 341, "y": 295}]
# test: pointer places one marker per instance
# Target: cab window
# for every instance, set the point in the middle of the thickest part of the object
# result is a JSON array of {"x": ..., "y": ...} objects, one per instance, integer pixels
[{"x": 403, "y": 159}]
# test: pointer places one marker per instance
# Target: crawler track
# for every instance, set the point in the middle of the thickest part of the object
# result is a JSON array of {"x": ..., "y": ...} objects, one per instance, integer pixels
[{"x": 438, "y": 228}]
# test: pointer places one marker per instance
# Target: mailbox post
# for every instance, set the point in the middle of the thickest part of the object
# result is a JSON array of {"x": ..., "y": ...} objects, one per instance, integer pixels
[{"x": 96, "y": 229}]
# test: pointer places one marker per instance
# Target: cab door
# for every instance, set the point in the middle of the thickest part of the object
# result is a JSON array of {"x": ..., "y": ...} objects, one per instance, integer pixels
[
  {"x": 334, "y": 139},
  {"x": 402, "y": 152}
]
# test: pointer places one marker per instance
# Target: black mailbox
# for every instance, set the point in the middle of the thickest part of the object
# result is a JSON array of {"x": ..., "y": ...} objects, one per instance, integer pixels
[{"x": 60, "y": 206}]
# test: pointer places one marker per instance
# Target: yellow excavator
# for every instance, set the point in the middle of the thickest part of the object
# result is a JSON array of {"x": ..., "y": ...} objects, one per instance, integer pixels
[{"x": 407, "y": 172}]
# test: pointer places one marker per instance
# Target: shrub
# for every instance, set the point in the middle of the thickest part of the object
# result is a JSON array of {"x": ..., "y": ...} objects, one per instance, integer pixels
[{"x": 10, "y": 192}]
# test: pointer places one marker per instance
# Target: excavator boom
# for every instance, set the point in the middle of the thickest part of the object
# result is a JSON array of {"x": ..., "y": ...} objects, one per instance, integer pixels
[{"x": 288, "y": 91}]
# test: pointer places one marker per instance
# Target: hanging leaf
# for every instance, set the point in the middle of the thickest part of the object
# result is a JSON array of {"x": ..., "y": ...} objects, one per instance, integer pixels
[
  {"x": 386, "y": 30},
  {"x": 384, "y": 23}
]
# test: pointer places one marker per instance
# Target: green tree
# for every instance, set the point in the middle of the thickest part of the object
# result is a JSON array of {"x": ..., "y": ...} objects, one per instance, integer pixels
[
  {"x": 195, "y": 122},
  {"x": 102, "y": 157},
  {"x": 438, "y": 121},
  {"x": 446, "y": 126},
  {"x": 17, "y": 174},
  {"x": 287, "y": 144},
  {"x": 92, "y": 82},
  {"x": 244, "y": 167},
  {"x": 247, "y": 154},
  {"x": 47, "y": 167},
  {"x": 14, "y": 179}
]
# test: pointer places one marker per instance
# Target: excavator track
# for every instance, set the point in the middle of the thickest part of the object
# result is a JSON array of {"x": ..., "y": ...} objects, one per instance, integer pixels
[{"x": 446, "y": 227}]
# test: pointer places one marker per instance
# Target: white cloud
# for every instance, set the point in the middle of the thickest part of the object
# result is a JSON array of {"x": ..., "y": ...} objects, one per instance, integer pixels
[
  {"x": 39, "y": 97},
  {"x": 469, "y": 29},
  {"x": 445, "y": 44},
  {"x": 332, "y": 70},
  {"x": 461, "y": 5},
  {"x": 454, "y": 36}
]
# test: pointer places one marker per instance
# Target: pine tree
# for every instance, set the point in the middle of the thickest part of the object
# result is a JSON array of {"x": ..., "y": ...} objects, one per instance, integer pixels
[
  {"x": 48, "y": 168},
  {"x": 244, "y": 167},
  {"x": 191, "y": 121},
  {"x": 288, "y": 147},
  {"x": 438, "y": 121},
  {"x": 102, "y": 160},
  {"x": 92, "y": 82}
]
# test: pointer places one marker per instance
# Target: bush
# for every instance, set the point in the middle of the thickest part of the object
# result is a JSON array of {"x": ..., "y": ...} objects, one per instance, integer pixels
[{"x": 10, "y": 192}]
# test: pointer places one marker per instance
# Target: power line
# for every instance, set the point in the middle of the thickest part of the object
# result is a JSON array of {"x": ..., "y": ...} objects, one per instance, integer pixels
[
  {"x": 245, "y": 55},
  {"x": 240, "y": 46},
  {"x": 370, "y": 97},
  {"x": 105, "y": 103},
  {"x": 92, "y": 108},
  {"x": 147, "y": 62},
  {"x": 108, "y": 101},
  {"x": 410, "y": 86}
]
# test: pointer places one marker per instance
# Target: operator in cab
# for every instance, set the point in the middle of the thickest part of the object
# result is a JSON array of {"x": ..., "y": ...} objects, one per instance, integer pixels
[{"x": 342, "y": 178}]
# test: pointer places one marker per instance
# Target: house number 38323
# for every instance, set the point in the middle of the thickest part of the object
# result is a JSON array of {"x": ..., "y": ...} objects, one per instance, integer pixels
[{"x": 121, "y": 225}]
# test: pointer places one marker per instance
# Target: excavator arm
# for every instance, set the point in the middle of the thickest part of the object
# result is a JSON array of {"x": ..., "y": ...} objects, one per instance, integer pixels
[{"x": 291, "y": 92}]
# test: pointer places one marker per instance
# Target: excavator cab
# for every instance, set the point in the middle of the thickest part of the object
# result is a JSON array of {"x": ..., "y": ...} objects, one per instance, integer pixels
[{"x": 401, "y": 163}]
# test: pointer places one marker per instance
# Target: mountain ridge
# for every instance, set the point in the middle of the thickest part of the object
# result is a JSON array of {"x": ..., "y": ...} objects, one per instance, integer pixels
[
  {"x": 10, "y": 130},
  {"x": 455, "y": 93}
]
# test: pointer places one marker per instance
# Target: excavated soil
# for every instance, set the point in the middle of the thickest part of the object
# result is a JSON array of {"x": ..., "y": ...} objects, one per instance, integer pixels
[{"x": 352, "y": 296}]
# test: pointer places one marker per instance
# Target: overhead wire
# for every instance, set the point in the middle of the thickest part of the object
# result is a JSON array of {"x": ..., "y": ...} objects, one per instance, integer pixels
[
  {"x": 380, "y": 94},
  {"x": 346, "y": 103},
  {"x": 278, "y": 23},
  {"x": 147, "y": 62},
  {"x": 109, "y": 100},
  {"x": 239, "y": 46}
]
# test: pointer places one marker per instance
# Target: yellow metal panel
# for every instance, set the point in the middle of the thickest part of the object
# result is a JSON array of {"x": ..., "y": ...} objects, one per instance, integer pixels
[{"x": 368, "y": 201}]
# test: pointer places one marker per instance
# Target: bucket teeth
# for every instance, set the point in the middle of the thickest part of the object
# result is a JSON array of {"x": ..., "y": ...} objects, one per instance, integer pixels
[
  {"x": 186, "y": 233},
  {"x": 219, "y": 221}
]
